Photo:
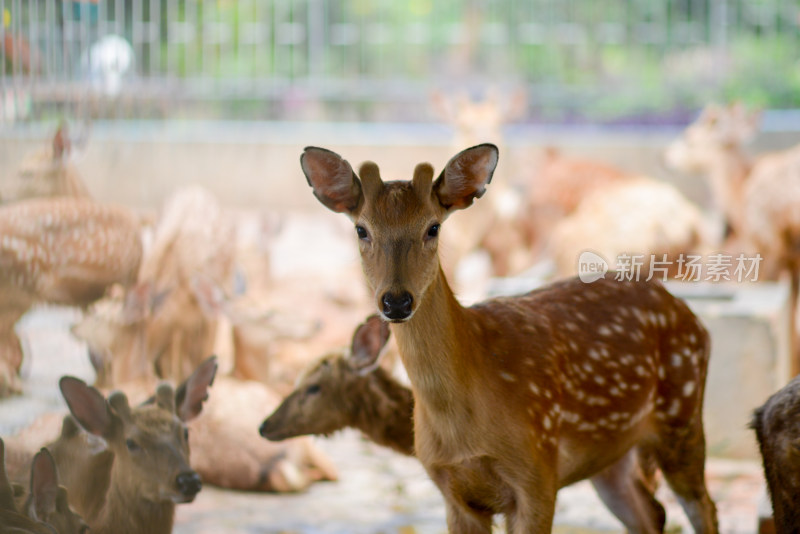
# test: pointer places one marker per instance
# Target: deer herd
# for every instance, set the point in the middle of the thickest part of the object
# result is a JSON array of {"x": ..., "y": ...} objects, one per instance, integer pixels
[{"x": 504, "y": 401}]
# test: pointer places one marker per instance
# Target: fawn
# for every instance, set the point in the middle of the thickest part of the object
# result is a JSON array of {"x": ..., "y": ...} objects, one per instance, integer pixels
[
  {"x": 517, "y": 397},
  {"x": 777, "y": 427},
  {"x": 150, "y": 472},
  {"x": 349, "y": 390},
  {"x": 47, "y": 508}
]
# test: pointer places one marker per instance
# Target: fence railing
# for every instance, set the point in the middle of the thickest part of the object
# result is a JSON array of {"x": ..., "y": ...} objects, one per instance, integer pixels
[{"x": 373, "y": 59}]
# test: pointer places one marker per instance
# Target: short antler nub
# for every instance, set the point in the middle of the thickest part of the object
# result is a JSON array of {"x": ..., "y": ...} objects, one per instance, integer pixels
[
  {"x": 370, "y": 178},
  {"x": 423, "y": 179}
]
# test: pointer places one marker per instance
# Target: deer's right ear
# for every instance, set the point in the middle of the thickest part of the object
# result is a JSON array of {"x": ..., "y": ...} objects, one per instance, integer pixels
[
  {"x": 332, "y": 179},
  {"x": 87, "y": 406},
  {"x": 44, "y": 485},
  {"x": 369, "y": 340}
]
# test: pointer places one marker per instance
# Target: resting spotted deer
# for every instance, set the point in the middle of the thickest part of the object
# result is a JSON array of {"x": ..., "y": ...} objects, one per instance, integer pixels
[{"x": 517, "y": 397}]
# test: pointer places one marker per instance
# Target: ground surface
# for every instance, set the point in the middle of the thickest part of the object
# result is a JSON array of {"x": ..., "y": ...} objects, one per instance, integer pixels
[{"x": 378, "y": 492}]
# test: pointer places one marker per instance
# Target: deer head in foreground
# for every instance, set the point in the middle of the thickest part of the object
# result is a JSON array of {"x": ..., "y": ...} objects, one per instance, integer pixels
[
  {"x": 777, "y": 427},
  {"x": 349, "y": 390},
  {"x": 151, "y": 471},
  {"x": 517, "y": 397}
]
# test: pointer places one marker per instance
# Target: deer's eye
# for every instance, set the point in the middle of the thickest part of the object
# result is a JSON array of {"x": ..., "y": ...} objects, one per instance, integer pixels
[
  {"x": 362, "y": 233},
  {"x": 312, "y": 389},
  {"x": 186, "y": 434},
  {"x": 132, "y": 445},
  {"x": 433, "y": 231}
]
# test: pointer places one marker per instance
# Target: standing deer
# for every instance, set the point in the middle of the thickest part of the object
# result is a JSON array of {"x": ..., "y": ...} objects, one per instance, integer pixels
[
  {"x": 517, "y": 397},
  {"x": 760, "y": 198},
  {"x": 150, "y": 473},
  {"x": 59, "y": 251},
  {"x": 777, "y": 427},
  {"x": 346, "y": 389}
]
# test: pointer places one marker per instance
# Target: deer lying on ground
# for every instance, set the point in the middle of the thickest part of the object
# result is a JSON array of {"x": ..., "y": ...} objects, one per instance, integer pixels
[
  {"x": 348, "y": 389},
  {"x": 150, "y": 472},
  {"x": 760, "y": 198},
  {"x": 47, "y": 173},
  {"x": 518, "y": 397},
  {"x": 47, "y": 508},
  {"x": 636, "y": 217},
  {"x": 59, "y": 251},
  {"x": 777, "y": 427}
]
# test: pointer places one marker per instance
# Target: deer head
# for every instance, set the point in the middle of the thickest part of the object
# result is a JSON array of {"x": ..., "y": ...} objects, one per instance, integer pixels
[
  {"x": 150, "y": 442},
  {"x": 399, "y": 219},
  {"x": 48, "y": 502},
  {"x": 322, "y": 401},
  {"x": 717, "y": 129}
]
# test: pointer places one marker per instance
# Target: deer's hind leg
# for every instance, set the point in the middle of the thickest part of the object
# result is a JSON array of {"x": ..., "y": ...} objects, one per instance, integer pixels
[
  {"x": 681, "y": 455},
  {"x": 626, "y": 489}
]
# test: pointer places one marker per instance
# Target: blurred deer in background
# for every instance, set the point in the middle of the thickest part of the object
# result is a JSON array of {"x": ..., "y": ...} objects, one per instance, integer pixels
[
  {"x": 777, "y": 428},
  {"x": 482, "y": 121},
  {"x": 49, "y": 172},
  {"x": 150, "y": 472},
  {"x": 348, "y": 389},
  {"x": 587, "y": 378},
  {"x": 636, "y": 217},
  {"x": 760, "y": 198},
  {"x": 59, "y": 251}
]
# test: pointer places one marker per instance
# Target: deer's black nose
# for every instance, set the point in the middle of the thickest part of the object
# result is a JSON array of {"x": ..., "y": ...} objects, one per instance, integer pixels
[
  {"x": 397, "y": 306},
  {"x": 189, "y": 483}
]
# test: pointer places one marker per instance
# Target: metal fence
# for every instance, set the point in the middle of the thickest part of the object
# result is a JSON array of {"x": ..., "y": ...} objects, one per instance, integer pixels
[{"x": 599, "y": 60}]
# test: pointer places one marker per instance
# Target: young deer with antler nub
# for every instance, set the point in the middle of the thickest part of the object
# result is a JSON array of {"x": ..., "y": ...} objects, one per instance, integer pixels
[{"x": 517, "y": 397}]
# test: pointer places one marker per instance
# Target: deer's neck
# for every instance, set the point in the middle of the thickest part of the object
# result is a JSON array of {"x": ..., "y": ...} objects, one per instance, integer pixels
[
  {"x": 433, "y": 344},
  {"x": 126, "y": 513},
  {"x": 728, "y": 172},
  {"x": 384, "y": 411}
]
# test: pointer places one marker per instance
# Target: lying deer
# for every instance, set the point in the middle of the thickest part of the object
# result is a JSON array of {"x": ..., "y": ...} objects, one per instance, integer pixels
[
  {"x": 518, "y": 397},
  {"x": 150, "y": 473},
  {"x": 349, "y": 390},
  {"x": 47, "y": 508},
  {"x": 59, "y": 251},
  {"x": 777, "y": 427}
]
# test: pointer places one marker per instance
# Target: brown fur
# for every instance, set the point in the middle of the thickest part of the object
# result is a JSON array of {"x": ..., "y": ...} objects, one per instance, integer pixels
[
  {"x": 59, "y": 251},
  {"x": 336, "y": 393},
  {"x": 517, "y": 397},
  {"x": 777, "y": 427},
  {"x": 150, "y": 472}
]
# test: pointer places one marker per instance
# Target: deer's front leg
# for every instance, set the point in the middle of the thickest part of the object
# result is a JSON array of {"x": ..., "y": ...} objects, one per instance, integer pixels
[{"x": 534, "y": 505}]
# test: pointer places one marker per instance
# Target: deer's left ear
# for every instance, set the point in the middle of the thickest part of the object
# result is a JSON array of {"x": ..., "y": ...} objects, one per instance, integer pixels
[
  {"x": 465, "y": 176},
  {"x": 333, "y": 180}
]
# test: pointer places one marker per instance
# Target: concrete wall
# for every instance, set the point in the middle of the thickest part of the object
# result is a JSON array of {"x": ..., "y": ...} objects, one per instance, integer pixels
[{"x": 256, "y": 164}]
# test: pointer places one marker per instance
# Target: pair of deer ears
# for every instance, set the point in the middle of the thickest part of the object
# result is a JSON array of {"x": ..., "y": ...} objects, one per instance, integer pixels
[
  {"x": 369, "y": 339},
  {"x": 462, "y": 180},
  {"x": 104, "y": 417}
]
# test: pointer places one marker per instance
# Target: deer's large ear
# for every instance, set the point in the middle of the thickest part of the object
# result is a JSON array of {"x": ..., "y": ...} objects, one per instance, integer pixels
[
  {"x": 87, "y": 406},
  {"x": 368, "y": 342},
  {"x": 333, "y": 180},
  {"x": 44, "y": 486},
  {"x": 190, "y": 395},
  {"x": 6, "y": 490},
  {"x": 465, "y": 177}
]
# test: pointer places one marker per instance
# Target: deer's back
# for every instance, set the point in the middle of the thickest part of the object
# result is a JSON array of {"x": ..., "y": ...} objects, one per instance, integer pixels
[{"x": 67, "y": 251}]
